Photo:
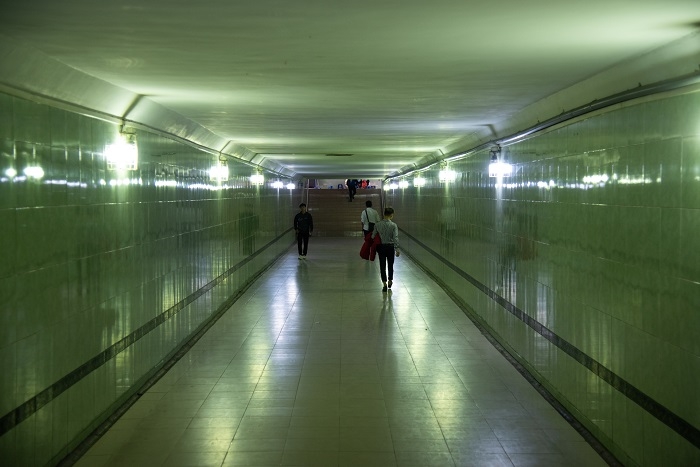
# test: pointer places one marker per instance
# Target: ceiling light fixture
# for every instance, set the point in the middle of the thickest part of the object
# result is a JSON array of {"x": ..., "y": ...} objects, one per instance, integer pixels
[
  {"x": 498, "y": 167},
  {"x": 34, "y": 172},
  {"x": 446, "y": 175},
  {"x": 219, "y": 172},
  {"x": 257, "y": 179},
  {"x": 123, "y": 154}
]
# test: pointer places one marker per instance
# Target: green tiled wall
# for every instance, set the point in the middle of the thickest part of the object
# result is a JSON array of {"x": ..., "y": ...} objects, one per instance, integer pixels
[
  {"x": 612, "y": 267},
  {"x": 88, "y": 259}
]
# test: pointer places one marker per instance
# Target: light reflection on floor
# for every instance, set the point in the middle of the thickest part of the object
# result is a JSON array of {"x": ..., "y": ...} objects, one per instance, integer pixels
[{"x": 314, "y": 365}]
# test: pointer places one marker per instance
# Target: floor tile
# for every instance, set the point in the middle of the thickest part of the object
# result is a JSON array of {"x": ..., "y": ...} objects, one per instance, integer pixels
[{"x": 313, "y": 365}]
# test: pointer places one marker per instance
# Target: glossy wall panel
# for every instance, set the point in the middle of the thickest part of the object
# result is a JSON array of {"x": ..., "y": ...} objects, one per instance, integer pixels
[
  {"x": 594, "y": 237},
  {"x": 106, "y": 272}
]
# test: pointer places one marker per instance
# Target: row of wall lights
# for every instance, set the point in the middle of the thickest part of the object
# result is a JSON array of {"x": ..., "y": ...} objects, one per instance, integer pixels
[
  {"x": 498, "y": 168},
  {"x": 123, "y": 155},
  {"x": 278, "y": 184},
  {"x": 417, "y": 182},
  {"x": 220, "y": 173}
]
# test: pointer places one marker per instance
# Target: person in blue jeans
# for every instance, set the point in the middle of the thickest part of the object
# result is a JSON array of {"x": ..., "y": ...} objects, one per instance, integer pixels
[
  {"x": 303, "y": 226},
  {"x": 389, "y": 234}
]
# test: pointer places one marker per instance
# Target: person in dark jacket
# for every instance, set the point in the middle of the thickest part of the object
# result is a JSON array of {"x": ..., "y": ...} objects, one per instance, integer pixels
[
  {"x": 303, "y": 226},
  {"x": 352, "y": 188}
]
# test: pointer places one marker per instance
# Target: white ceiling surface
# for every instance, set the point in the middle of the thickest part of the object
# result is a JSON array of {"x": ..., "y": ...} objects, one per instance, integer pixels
[{"x": 390, "y": 82}]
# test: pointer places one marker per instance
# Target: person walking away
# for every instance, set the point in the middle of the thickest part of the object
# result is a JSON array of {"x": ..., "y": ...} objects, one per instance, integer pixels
[
  {"x": 388, "y": 232},
  {"x": 352, "y": 188},
  {"x": 303, "y": 226},
  {"x": 369, "y": 218}
]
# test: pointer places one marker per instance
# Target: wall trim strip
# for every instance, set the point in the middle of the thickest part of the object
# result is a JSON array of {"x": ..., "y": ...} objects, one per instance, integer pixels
[
  {"x": 654, "y": 408},
  {"x": 16, "y": 416}
]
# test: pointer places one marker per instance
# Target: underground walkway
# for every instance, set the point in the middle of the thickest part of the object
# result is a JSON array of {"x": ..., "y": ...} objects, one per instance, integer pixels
[{"x": 315, "y": 366}]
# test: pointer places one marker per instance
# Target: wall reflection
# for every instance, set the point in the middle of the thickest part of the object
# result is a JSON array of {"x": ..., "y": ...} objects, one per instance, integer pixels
[
  {"x": 96, "y": 252},
  {"x": 595, "y": 236}
]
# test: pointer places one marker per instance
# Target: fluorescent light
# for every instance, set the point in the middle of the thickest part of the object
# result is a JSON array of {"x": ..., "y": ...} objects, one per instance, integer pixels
[
  {"x": 257, "y": 179},
  {"x": 403, "y": 184},
  {"x": 447, "y": 175},
  {"x": 596, "y": 179},
  {"x": 34, "y": 172},
  {"x": 290, "y": 186},
  {"x": 219, "y": 173},
  {"x": 122, "y": 155},
  {"x": 277, "y": 184},
  {"x": 418, "y": 182},
  {"x": 500, "y": 169}
]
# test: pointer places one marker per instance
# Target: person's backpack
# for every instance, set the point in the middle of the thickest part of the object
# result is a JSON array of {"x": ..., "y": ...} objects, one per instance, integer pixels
[{"x": 370, "y": 224}]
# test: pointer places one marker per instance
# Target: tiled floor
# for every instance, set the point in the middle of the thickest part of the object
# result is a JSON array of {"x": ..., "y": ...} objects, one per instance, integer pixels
[{"x": 315, "y": 366}]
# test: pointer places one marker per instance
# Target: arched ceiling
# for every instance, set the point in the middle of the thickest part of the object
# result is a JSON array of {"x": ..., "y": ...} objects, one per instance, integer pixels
[{"x": 330, "y": 89}]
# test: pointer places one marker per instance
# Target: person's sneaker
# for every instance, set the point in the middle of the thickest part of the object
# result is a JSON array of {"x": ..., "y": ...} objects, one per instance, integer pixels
[
  {"x": 384, "y": 288},
  {"x": 301, "y": 257},
  {"x": 389, "y": 284}
]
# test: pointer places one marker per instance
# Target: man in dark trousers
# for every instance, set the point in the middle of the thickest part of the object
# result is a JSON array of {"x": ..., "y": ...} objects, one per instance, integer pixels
[
  {"x": 352, "y": 188},
  {"x": 303, "y": 226}
]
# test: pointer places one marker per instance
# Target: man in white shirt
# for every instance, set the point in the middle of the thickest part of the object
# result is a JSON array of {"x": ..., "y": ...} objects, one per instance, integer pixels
[
  {"x": 369, "y": 217},
  {"x": 389, "y": 234}
]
